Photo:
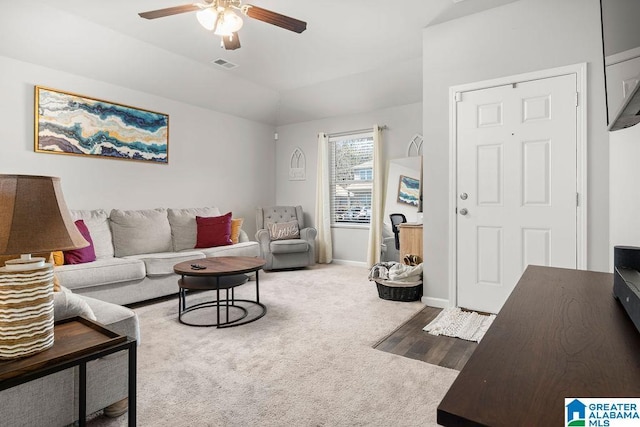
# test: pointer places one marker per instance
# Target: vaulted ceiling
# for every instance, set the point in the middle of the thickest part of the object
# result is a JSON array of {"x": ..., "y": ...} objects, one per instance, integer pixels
[{"x": 356, "y": 55}]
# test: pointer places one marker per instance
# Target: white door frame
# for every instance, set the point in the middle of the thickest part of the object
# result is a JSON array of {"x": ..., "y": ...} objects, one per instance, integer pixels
[{"x": 580, "y": 70}]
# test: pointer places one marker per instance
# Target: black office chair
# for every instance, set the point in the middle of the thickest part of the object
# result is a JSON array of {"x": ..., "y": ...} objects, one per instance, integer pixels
[{"x": 396, "y": 219}]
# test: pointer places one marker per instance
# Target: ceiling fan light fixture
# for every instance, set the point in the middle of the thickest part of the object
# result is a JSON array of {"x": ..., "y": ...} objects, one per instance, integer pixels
[
  {"x": 207, "y": 18},
  {"x": 228, "y": 23}
]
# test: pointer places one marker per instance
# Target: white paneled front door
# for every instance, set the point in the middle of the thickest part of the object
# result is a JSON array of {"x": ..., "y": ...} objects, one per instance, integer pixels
[{"x": 516, "y": 186}]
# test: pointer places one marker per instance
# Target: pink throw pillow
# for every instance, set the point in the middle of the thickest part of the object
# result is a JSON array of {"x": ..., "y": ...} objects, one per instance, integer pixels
[
  {"x": 213, "y": 231},
  {"x": 82, "y": 255}
]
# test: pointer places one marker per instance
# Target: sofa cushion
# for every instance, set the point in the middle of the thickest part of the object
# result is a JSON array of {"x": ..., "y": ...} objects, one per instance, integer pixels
[
  {"x": 86, "y": 254},
  {"x": 183, "y": 225},
  {"x": 161, "y": 264},
  {"x": 99, "y": 272},
  {"x": 97, "y": 223},
  {"x": 140, "y": 231},
  {"x": 251, "y": 249},
  {"x": 213, "y": 231},
  {"x": 289, "y": 246},
  {"x": 248, "y": 248}
]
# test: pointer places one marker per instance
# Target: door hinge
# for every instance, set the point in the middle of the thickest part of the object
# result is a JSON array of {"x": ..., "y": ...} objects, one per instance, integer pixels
[
  {"x": 458, "y": 97},
  {"x": 577, "y": 199},
  {"x": 577, "y": 99}
]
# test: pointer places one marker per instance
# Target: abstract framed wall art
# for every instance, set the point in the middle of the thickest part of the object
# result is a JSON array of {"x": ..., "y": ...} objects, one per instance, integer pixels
[
  {"x": 67, "y": 123},
  {"x": 409, "y": 190}
]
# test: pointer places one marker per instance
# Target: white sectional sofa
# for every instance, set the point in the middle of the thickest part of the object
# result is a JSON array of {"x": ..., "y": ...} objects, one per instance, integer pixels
[
  {"x": 136, "y": 251},
  {"x": 135, "y": 254}
]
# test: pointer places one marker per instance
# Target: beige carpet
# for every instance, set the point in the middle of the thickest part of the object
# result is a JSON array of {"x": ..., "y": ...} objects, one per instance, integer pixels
[{"x": 308, "y": 362}]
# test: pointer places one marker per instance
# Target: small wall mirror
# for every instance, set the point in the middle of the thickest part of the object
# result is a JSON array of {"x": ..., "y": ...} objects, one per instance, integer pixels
[
  {"x": 403, "y": 195},
  {"x": 403, "y": 188}
]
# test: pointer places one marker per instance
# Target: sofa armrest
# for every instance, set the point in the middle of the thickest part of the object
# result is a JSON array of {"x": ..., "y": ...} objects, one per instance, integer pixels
[
  {"x": 262, "y": 236},
  {"x": 120, "y": 319}
]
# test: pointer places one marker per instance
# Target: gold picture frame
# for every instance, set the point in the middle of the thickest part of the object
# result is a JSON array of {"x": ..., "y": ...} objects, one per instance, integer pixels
[{"x": 78, "y": 125}]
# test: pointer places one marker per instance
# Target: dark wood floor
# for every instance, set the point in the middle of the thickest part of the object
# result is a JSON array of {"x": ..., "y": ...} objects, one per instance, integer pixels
[{"x": 409, "y": 340}]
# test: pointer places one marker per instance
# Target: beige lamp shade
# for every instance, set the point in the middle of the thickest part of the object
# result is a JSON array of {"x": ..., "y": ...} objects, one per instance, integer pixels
[{"x": 34, "y": 216}]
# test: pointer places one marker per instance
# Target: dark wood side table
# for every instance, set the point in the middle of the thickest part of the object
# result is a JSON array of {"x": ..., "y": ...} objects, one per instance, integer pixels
[
  {"x": 560, "y": 334},
  {"x": 76, "y": 342},
  {"x": 219, "y": 273}
]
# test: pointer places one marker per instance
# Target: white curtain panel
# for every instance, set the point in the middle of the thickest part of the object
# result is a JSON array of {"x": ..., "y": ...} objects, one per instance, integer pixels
[
  {"x": 375, "y": 228},
  {"x": 324, "y": 245}
]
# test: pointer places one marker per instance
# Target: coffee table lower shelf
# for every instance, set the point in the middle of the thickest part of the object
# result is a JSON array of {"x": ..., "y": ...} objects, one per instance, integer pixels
[{"x": 227, "y": 284}]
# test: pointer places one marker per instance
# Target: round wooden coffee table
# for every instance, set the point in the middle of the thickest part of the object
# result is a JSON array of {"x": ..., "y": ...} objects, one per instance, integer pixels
[{"x": 220, "y": 273}]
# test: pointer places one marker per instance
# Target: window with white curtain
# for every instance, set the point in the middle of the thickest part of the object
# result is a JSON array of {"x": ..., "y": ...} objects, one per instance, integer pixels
[{"x": 351, "y": 178}]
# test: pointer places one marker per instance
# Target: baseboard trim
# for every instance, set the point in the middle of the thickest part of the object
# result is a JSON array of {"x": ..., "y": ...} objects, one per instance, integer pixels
[
  {"x": 347, "y": 262},
  {"x": 435, "y": 302}
]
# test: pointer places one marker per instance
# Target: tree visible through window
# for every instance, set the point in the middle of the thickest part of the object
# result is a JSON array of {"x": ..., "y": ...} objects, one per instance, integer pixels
[{"x": 351, "y": 178}]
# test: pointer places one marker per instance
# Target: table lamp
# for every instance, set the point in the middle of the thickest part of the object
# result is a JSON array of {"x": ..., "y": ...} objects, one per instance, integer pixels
[{"x": 33, "y": 218}]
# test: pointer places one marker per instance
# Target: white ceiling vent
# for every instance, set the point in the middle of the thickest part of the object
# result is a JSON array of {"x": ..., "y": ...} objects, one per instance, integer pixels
[{"x": 224, "y": 64}]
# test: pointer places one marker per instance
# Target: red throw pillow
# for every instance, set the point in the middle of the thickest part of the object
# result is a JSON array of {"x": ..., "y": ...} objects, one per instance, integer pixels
[
  {"x": 82, "y": 255},
  {"x": 213, "y": 231}
]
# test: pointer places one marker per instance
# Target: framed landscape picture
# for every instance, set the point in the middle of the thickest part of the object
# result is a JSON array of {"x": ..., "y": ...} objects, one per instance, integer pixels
[
  {"x": 67, "y": 123},
  {"x": 409, "y": 190}
]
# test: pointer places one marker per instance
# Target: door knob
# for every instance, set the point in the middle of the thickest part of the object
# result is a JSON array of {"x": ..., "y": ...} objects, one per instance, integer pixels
[
  {"x": 464, "y": 196},
  {"x": 463, "y": 211}
]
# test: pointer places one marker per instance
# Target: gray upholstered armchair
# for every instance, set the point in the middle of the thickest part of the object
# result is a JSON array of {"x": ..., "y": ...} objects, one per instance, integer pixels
[{"x": 279, "y": 244}]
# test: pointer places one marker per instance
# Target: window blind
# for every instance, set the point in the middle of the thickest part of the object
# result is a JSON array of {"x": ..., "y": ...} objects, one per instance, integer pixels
[{"x": 351, "y": 178}]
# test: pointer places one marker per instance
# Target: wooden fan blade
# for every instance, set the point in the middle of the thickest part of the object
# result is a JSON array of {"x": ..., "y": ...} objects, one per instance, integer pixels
[
  {"x": 274, "y": 18},
  {"x": 160, "y": 13},
  {"x": 231, "y": 42}
]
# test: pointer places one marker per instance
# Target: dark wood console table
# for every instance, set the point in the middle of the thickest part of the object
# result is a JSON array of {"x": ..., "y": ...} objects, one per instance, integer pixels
[
  {"x": 76, "y": 342},
  {"x": 560, "y": 334}
]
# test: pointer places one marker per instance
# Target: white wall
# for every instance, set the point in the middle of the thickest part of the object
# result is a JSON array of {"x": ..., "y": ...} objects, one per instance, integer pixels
[
  {"x": 214, "y": 159},
  {"x": 625, "y": 191},
  {"x": 520, "y": 37},
  {"x": 404, "y": 122}
]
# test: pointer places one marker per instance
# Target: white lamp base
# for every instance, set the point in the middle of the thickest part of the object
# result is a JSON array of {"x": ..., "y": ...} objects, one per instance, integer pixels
[{"x": 25, "y": 262}]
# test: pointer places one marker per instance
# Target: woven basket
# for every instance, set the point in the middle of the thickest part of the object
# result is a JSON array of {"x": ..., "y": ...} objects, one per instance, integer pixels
[{"x": 395, "y": 292}]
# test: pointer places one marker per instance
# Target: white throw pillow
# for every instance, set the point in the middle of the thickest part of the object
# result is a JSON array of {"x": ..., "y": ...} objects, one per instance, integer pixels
[
  {"x": 67, "y": 304},
  {"x": 140, "y": 231},
  {"x": 184, "y": 230},
  {"x": 283, "y": 230}
]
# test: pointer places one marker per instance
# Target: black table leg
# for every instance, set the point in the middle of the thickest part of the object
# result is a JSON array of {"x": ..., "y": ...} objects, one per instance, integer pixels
[
  {"x": 82, "y": 403},
  {"x": 227, "y": 300},
  {"x": 132, "y": 383},
  {"x": 218, "y": 298},
  {"x": 257, "y": 286}
]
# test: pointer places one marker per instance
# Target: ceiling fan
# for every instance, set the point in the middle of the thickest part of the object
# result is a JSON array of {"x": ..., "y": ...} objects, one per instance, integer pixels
[{"x": 218, "y": 16}]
